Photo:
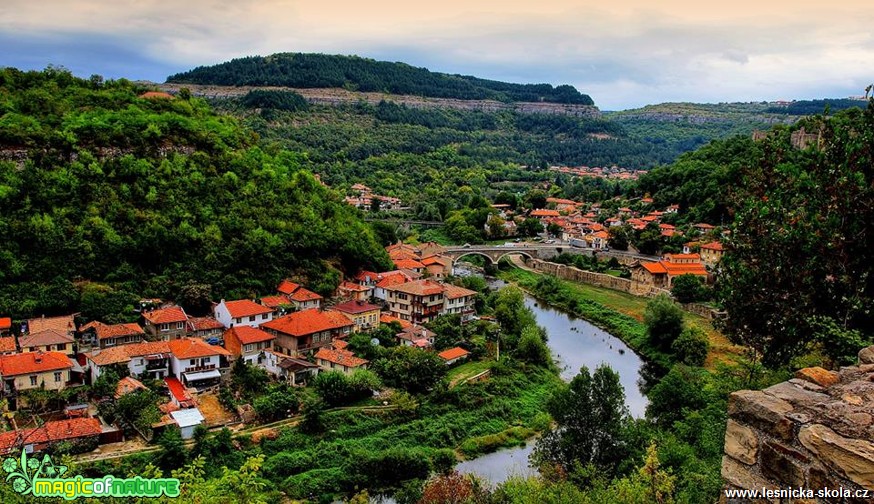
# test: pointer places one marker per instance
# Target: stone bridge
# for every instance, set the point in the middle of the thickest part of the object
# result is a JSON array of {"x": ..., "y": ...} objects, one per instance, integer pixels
[{"x": 495, "y": 253}]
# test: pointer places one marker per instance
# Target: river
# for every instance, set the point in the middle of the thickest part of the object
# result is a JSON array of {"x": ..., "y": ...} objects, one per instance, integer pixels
[{"x": 574, "y": 343}]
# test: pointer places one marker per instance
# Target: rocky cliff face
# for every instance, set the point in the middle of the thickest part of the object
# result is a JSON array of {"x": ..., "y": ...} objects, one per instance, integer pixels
[
  {"x": 335, "y": 96},
  {"x": 813, "y": 432}
]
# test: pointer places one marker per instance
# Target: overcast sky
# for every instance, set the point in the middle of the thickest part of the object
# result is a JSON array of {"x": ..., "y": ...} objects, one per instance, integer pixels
[{"x": 623, "y": 53}]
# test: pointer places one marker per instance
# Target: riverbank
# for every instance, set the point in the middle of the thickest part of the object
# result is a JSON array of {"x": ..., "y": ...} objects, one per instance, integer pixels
[{"x": 621, "y": 314}]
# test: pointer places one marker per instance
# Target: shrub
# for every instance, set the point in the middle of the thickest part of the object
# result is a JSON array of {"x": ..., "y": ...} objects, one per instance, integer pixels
[
  {"x": 664, "y": 321},
  {"x": 691, "y": 347}
]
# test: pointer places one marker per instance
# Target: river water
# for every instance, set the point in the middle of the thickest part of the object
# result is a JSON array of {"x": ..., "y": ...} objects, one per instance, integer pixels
[{"x": 574, "y": 343}]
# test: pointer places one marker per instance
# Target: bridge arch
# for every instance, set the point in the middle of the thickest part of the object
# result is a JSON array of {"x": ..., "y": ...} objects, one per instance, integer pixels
[
  {"x": 473, "y": 252},
  {"x": 493, "y": 256}
]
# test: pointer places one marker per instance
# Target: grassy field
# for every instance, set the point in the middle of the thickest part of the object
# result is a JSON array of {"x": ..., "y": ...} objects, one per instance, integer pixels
[
  {"x": 466, "y": 370},
  {"x": 721, "y": 350}
]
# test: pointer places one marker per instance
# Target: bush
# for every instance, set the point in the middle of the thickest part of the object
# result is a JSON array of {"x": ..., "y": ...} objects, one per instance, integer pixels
[
  {"x": 389, "y": 467},
  {"x": 683, "y": 388},
  {"x": 532, "y": 347},
  {"x": 689, "y": 289},
  {"x": 691, "y": 347},
  {"x": 664, "y": 321}
]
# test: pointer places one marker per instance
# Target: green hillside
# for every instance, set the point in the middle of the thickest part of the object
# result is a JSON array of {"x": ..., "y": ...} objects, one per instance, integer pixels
[
  {"x": 362, "y": 74},
  {"x": 118, "y": 196}
]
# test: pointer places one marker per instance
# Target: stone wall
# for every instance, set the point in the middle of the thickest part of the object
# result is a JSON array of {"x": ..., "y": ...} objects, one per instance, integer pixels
[{"x": 814, "y": 431}]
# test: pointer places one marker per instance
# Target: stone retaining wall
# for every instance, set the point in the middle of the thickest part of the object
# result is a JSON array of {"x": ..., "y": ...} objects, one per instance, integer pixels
[{"x": 814, "y": 431}]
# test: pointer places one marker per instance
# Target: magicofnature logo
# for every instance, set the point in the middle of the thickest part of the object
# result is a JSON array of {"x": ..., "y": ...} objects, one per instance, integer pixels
[{"x": 30, "y": 476}]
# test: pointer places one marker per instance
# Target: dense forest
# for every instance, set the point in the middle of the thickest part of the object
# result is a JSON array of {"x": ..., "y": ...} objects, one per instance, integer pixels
[
  {"x": 122, "y": 194},
  {"x": 363, "y": 74}
]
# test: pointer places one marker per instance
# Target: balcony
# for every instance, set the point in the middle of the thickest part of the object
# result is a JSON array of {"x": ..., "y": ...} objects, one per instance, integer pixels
[
  {"x": 200, "y": 368},
  {"x": 156, "y": 365}
]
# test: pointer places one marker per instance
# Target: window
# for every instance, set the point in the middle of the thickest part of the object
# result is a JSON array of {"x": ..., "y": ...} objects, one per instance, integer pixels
[
  {"x": 57, "y": 376},
  {"x": 248, "y": 348},
  {"x": 191, "y": 362},
  {"x": 165, "y": 327},
  {"x": 239, "y": 320},
  {"x": 264, "y": 316},
  {"x": 33, "y": 381},
  {"x": 252, "y": 318},
  {"x": 180, "y": 325},
  {"x": 62, "y": 346}
]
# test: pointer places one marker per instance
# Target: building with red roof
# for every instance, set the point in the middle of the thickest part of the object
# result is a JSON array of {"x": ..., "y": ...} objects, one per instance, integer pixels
[
  {"x": 459, "y": 301},
  {"x": 299, "y": 332},
  {"x": 40, "y": 438},
  {"x": 342, "y": 360},
  {"x": 542, "y": 213},
  {"x": 661, "y": 273},
  {"x": 5, "y": 326},
  {"x": 242, "y": 312},
  {"x": 197, "y": 363},
  {"x": 106, "y": 335},
  {"x": 279, "y": 304},
  {"x": 7, "y": 345},
  {"x": 305, "y": 299},
  {"x": 31, "y": 370},
  {"x": 353, "y": 291},
  {"x": 248, "y": 343},
  {"x": 205, "y": 327},
  {"x": 166, "y": 323},
  {"x": 47, "y": 340},
  {"x": 365, "y": 316},
  {"x": 453, "y": 355},
  {"x": 287, "y": 287},
  {"x": 711, "y": 253},
  {"x": 419, "y": 301}
]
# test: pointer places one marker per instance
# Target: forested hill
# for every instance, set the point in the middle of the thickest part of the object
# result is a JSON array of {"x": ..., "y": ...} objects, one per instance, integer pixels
[
  {"x": 361, "y": 74},
  {"x": 122, "y": 194}
]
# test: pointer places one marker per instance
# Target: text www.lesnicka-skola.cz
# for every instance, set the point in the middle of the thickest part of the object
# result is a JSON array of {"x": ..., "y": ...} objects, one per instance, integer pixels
[{"x": 798, "y": 493}]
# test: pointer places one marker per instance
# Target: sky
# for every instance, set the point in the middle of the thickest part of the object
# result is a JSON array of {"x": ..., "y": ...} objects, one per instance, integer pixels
[{"x": 623, "y": 53}]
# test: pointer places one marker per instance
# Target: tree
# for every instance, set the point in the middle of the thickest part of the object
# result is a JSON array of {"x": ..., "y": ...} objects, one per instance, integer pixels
[
  {"x": 410, "y": 369},
  {"x": 691, "y": 347},
  {"x": 591, "y": 415},
  {"x": 530, "y": 227},
  {"x": 688, "y": 288},
  {"x": 496, "y": 227},
  {"x": 664, "y": 321},
  {"x": 173, "y": 453},
  {"x": 512, "y": 314},
  {"x": 618, "y": 237},
  {"x": 532, "y": 347},
  {"x": 450, "y": 488},
  {"x": 683, "y": 388}
]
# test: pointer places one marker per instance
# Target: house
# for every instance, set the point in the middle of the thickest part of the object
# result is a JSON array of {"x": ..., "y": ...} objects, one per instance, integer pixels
[
  {"x": 197, "y": 363},
  {"x": 150, "y": 359},
  {"x": 437, "y": 266},
  {"x": 304, "y": 299},
  {"x": 711, "y": 253},
  {"x": 343, "y": 360},
  {"x": 691, "y": 247},
  {"x": 302, "y": 331},
  {"x": 5, "y": 326},
  {"x": 7, "y": 345},
  {"x": 600, "y": 239},
  {"x": 279, "y": 304},
  {"x": 409, "y": 264},
  {"x": 179, "y": 395},
  {"x": 187, "y": 420},
  {"x": 563, "y": 204},
  {"x": 205, "y": 328},
  {"x": 287, "y": 287},
  {"x": 661, "y": 273},
  {"x": 365, "y": 316},
  {"x": 289, "y": 369},
  {"x": 115, "y": 334},
  {"x": 417, "y": 336},
  {"x": 388, "y": 279},
  {"x": 385, "y": 318},
  {"x": 77, "y": 430},
  {"x": 242, "y": 312},
  {"x": 460, "y": 301},
  {"x": 127, "y": 385},
  {"x": 48, "y": 340},
  {"x": 248, "y": 343},
  {"x": 63, "y": 324},
  {"x": 453, "y": 355},
  {"x": 704, "y": 227},
  {"x": 543, "y": 214},
  {"x": 31, "y": 370},
  {"x": 418, "y": 302},
  {"x": 166, "y": 323},
  {"x": 353, "y": 291}
]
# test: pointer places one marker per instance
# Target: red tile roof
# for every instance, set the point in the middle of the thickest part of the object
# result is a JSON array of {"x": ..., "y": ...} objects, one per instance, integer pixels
[
  {"x": 453, "y": 353},
  {"x": 395, "y": 279},
  {"x": 5, "y": 323},
  {"x": 654, "y": 267},
  {"x": 287, "y": 287},
  {"x": 713, "y": 246},
  {"x": 674, "y": 269},
  {"x": 7, "y": 344},
  {"x": 352, "y": 286},
  {"x": 45, "y": 337},
  {"x": 355, "y": 307},
  {"x": 247, "y": 335},
  {"x": 124, "y": 353},
  {"x": 455, "y": 292},
  {"x": 204, "y": 324},
  {"x": 52, "y": 431},
  {"x": 275, "y": 301},
  {"x": 127, "y": 385},
  {"x": 340, "y": 357},
  {"x": 419, "y": 288},
  {"x": 177, "y": 389},
  {"x": 388, "y": 319},
  {"x": 704, "y": 225},
  {"x": 33, "y": 362},
  {"x": 302, "y": 295},
  {"x": 168, "y": 315},
  {"x": 363, "y": 276},
  {"x": 408, "y": 264},
  {"x": 544, "y": 213},
  {"x": 428, "y": 261},
  {"x": 104, "y": 331},
  {"x": 192, "y": 348},
  {"x": 307, "y": 322},
  {"x": 63, "y": 323},
  {"x": 682, "y": 257},
  {"x": 245, "y": 308}
]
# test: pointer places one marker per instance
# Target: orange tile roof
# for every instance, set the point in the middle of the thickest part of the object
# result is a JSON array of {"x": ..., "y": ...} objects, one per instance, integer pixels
[
  {"x": 682, "y": 257},
  {"x": 339, "y": 344},
  {"x": 33, "y": 362},
  {"x": 127, "y": 385},
  {"x": 395, "y": 279},
  {"x": 408, "y": 264},
  {"x": 363, "y": 275},
  {"x": 685, "y": 269},
  {"x": 541, "y": 212},
  {"x": 7, "y": 344},
  {"x": 307, "y": 322},
  {"x": 104, "y": 331},
  {"x": 177, "y": 389},
  {"x": 275, "y": 301},
  {"x": 388, "y": 319},
  {"x": 704, "y": 225},
  {"x": 453, "y": 353},
  {"x": 713, "y": 246},
  {"x": 341, "y": 357},
  {"x": 63, "y": 323},
  {"x": 204, "y": 324},
  {"x": 5, "y": 323},
  {"x": 419, "y": 288},
  {"x": 562, "y": 201},
  {"x": 428, "y": 261},
  {"x": 49, "y": 432},
  {"x": 287, "y": 286},
  {"x": 654, "y": 267},
  {"x": 301, "y": 295},
  {"x": 355, "y": 307},
  {"x": 247, "y": 335},
  {"x": 192, "y": 348},
  {"x": 124, "y": 353},
  {"x": 167, "y": 315},
  {"x": 455, "y": 292},
  {"x": 600, "y": 234},
  {"x": 45, "y": 337},
  {"x": 352, "y": 286},
  {"x": 245, "y": 308}
]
